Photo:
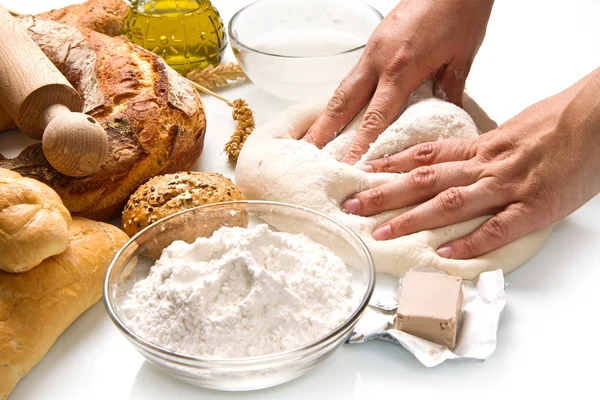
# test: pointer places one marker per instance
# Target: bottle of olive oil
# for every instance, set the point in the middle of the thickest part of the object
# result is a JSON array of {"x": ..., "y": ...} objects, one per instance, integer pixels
[{"x": 187, "y": 34}]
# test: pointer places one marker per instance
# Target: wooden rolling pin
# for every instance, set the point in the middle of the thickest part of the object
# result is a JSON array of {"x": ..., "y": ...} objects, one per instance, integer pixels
[{"x": 45, "y": 106}]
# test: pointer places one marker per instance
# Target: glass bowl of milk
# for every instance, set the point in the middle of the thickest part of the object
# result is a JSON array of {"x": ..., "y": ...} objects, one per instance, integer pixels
[{"x": 300, "y": 50}]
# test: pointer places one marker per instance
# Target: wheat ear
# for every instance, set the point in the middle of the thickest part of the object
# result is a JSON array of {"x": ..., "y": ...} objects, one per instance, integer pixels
[
  {"x": 244, "y": 118},
  {"x": 214, "y": 76}
]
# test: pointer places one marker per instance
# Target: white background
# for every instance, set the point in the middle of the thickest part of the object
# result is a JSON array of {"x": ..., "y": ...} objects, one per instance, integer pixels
[{"x": 549, "y": 336}]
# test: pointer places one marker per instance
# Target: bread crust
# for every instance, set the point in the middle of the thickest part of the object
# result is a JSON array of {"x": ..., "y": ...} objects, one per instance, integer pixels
[
  {"x": 38, "y": 305},
  {"x": 104, "y": 16},
  {"x": 34, "y": 223},
  {"x": 154, "y": 119},
  {"x": 168, "y": 194}
]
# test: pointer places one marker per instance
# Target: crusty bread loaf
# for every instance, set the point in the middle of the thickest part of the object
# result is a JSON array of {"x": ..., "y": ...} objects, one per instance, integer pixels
[
  {"x": 168, "y": 194},
  {"x": 34, "y": 223},
  {"x": 104, "y": 16},
  {"x": 153, "y": 117},
  {"x": 38, "y": 305}
]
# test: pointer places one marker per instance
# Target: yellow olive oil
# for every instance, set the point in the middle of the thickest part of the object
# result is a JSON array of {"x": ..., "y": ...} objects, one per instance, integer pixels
[{"x": 187, "y": 34}]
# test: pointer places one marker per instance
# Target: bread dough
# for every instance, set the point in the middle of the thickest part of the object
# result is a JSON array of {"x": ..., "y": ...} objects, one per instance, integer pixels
[{"x": 274, "y": 165}]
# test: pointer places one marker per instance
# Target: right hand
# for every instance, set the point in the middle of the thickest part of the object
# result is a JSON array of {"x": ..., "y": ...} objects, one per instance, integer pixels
[
  {"x": 532, "y": 171},
  {"x": 418, "y": 40}
]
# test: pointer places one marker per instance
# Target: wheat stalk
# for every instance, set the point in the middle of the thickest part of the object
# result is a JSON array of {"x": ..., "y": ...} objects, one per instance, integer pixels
[
  {"x": 212, "y": 77},
  {"x": 244, "y": 118}
]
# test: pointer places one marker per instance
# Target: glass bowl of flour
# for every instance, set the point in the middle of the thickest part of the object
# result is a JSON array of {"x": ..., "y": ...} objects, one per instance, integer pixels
[
  {"x": 300, "y": 50},
  {"x": 239, "y": 295}
]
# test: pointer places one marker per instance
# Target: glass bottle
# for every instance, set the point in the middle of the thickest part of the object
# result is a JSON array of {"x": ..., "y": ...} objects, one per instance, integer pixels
[{"x": 187, "y": 34}]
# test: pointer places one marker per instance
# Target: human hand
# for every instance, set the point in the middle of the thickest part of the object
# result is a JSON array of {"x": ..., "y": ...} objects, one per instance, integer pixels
[
  {"x": 532, "y": 171},
  {"x": 419, "y": 39}
]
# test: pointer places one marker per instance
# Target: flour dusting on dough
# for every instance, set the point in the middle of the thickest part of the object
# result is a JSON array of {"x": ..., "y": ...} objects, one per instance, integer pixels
[{"x": 274, "y": 166}]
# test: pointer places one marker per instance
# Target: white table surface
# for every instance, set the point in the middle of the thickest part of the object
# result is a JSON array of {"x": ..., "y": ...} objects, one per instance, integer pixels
[{"x": 548, "y": 338}]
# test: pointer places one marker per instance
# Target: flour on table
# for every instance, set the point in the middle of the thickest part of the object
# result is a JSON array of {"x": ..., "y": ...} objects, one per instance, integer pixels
[
  {"x": 241, "y": 293},
  {"x": 274, "y": 165}
]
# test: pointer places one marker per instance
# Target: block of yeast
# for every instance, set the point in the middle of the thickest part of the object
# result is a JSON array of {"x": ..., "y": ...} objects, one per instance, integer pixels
[{"x": 430, "y": 306}]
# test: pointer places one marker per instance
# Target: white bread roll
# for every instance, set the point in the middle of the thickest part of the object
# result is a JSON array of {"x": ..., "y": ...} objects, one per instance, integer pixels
[
  {"x": 34, "y": 223},
  {"x": 38, "y": 305}
]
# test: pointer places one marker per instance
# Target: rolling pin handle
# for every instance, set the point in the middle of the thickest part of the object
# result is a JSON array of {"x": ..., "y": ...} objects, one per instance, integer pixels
[
  {"x": 75, "y": 144},
  {"x": 52, "y": 112}
]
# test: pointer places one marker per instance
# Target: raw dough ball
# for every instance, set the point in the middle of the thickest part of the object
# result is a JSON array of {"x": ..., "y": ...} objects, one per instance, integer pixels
[
  {"x": 34, "y": 223},
  {"x": 168, "y": 194},
  {"x": 274, "y": 165}
]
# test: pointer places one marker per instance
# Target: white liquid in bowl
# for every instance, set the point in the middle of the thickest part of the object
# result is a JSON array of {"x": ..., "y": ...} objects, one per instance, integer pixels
[
  {"x": 302, "y": 65},
  {"x": 300, "y": 50},
  {"x": 308, "y": 43}
]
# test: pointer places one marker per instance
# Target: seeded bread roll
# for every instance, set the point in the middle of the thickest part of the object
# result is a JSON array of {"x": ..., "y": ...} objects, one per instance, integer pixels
[{"x": 168, "y": 194}]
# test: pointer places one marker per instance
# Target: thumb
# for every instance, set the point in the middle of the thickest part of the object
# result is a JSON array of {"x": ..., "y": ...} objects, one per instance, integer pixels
[{"x": 451, "y": 84}]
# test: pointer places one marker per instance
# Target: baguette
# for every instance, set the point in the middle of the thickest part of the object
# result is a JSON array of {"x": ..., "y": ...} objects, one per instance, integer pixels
[{"x": 38, "y": 305}]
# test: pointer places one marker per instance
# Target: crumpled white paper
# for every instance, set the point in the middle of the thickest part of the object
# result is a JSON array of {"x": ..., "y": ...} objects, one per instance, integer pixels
[{"x": 483, "y": 304}]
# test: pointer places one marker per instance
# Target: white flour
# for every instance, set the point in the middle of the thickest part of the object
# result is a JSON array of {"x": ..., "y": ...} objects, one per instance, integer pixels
[{"x": 241, "y": 293}]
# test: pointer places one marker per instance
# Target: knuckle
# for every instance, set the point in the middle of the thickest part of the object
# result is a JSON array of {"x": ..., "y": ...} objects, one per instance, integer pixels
[
  {"x": 424, "y": 154},
  {"x": 451, "y": 200},
  {"x": 377, "y": 43},
  {"x": 338, "y": 103},
  {"x": 541, "y": 203},
  {"x": 422, "y": 178},
  {"x": 386, "y": 164},
  {"x": 374, "y": 120},
  {"x": 375, "y": 197},
  {"x": 470, "y": 245},
  {"x": 495, "y": 187},
  {"x": 495, "y": 149},
  {"x": 407, "y": 221},
  {"x": 397, "y": 64},
  {"x": 354, "y": 154},
  {"x": 495, "y": 228},
  {"x": 536, "y": 190}
]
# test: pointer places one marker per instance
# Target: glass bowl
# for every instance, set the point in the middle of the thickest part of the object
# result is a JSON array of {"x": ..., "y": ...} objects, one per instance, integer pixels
[
  {"x": 300, "y": 50},
  {"x": 134, "y": 259}
]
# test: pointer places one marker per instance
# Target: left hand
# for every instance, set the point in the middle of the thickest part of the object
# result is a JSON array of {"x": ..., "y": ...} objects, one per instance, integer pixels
[
  {"x": 532, "y": 171},
  {"x": 418, "y": 40}
]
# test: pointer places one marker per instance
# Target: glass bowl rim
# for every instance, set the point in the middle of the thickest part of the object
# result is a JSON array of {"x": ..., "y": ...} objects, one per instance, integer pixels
[
  {"x": 239, "y": 42},
  {"x": 246, "y": 361}
]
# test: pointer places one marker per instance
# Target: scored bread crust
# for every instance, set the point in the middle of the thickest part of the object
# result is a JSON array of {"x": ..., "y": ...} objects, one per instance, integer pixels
[
  {"x": 38, "y": 305},
  {"x": 104, "y": 16},
  {"x": 168, "y": 194},
  {"x": 154, "y": 119}
]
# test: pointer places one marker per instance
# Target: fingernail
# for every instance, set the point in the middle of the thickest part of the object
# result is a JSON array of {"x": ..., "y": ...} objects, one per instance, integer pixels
[
  {"x": 382, "y": 233},
  {"x": 445, "y": 252},
  {"x": 351, "y": 206},
  {"x": 367, "y": 168}
]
